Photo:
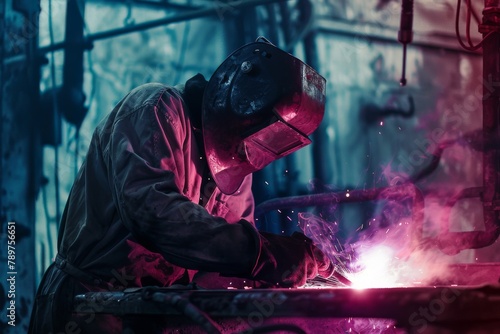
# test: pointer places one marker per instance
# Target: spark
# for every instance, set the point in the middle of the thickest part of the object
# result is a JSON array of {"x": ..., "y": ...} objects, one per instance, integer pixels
[{"x": 381, "y": 123}]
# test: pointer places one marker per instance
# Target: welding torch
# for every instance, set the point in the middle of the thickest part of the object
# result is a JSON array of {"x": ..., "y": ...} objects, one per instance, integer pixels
[
  {"x": 336, "y": 274},
  {"x": 328, "y": 281},
  {"x": 341, "y": 278}
]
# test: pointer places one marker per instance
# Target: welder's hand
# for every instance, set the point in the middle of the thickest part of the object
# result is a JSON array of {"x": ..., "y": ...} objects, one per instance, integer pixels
[{"x": 290, "y": 261}]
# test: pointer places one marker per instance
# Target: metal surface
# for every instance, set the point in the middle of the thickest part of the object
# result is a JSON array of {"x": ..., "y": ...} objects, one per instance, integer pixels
[{"x": 446, "y": 306}]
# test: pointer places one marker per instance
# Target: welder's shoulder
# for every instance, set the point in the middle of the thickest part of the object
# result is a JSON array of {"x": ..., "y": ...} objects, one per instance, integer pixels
[{"x": 146, "y": 95}]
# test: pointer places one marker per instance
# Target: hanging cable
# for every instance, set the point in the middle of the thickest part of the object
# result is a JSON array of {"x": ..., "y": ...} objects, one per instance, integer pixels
[
  {"x": 2, "y": 57},
  {"x": 90, "y": 99},
  {"x": 182, "y": 53},
  {"x": 474, "y": 14},
  {"x": 469, "y": 47},
  {"x": 48, "y": 219},
  {"x": 56, "y": 113},
  {"x": 405, "y": 33},
  {"x": 467, "y": 23},
  {"x": 77, "y": 144},
  {"x": 308, "y": 14}
]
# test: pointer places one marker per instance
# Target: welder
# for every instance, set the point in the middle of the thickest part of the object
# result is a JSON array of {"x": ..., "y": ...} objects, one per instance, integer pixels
[{"x": 164, "y": 194}]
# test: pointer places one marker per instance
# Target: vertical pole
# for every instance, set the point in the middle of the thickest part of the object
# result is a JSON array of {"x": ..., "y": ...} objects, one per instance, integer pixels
[
  {"x": 491, "y": 103},
  {"x": 20, "y": 154},
  {"x": 320, "y": 167}
]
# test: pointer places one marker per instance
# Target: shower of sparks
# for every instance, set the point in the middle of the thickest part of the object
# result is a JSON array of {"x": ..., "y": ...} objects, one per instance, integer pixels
[
  {"x": 385, "y": 259},
  {"x": 378, "y": 267}
]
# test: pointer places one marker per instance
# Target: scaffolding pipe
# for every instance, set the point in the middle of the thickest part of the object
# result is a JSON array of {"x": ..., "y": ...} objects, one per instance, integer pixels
[
  {"x": 218, "y": 8},
  {"x": 397, "y": 193}
]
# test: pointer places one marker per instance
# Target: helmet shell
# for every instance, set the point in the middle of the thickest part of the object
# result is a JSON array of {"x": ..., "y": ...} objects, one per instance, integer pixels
[{"x": 259, "y": 105}]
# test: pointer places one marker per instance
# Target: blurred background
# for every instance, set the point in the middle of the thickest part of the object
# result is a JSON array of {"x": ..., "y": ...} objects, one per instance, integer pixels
[{"x": 64, "y": 64}]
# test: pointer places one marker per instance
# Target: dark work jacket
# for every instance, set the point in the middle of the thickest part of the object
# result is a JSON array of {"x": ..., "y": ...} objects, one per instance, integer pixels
[{"x": 133, "y": 217}]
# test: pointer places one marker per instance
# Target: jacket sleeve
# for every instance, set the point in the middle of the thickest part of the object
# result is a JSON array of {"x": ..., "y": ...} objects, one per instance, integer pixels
[{"x": 149, "y": 151}]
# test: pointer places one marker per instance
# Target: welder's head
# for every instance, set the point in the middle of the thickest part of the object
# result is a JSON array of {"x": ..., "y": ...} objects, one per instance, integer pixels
[{"x": 259, "y": 105}]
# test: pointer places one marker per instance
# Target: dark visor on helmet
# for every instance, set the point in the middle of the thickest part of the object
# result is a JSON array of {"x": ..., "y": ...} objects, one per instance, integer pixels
[{"x": 273, "y": 142}]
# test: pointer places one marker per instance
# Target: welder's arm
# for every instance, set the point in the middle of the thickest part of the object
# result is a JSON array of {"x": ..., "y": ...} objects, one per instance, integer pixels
[
  {"x": 150, "y": 151},
  {"x": 289, "y": 261}
]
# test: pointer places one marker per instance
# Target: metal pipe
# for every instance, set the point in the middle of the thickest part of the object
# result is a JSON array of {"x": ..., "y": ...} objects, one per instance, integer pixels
[
  {"x": 491, "y": 77},
  {"x": 219, "y": 8},
  {"x": 454, "y": 242},
  {"x": 400, "y": 192}
]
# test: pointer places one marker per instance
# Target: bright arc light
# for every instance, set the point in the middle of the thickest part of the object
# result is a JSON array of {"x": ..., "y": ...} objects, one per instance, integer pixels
[{"x": 376, "y": 273}]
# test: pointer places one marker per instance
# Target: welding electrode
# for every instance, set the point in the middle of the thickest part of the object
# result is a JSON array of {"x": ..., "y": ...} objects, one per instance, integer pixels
[
  {"x": 341, "y": 278},
  {"x": 405, "y": 33}
]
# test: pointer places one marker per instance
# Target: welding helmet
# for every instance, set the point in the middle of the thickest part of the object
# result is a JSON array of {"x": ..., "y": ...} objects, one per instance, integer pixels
[{"x": 259, "y": 105}]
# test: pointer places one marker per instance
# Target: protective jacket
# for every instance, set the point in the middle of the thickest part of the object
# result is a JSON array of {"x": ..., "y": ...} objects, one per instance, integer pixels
[{"x": 144, "y": 210}]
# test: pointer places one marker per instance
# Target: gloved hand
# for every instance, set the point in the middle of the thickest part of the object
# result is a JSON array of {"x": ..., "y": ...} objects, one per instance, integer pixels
[{"x": 286, "y": 261}]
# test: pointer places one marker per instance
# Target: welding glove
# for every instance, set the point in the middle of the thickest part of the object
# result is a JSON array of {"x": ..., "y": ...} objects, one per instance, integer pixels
[{"x": 288, "y": 261}]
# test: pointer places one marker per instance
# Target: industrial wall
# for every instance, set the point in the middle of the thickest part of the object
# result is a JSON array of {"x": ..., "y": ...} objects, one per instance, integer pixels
[
  {"x": 375, "y": 132},
  {"x": 21, "y": 161}
]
